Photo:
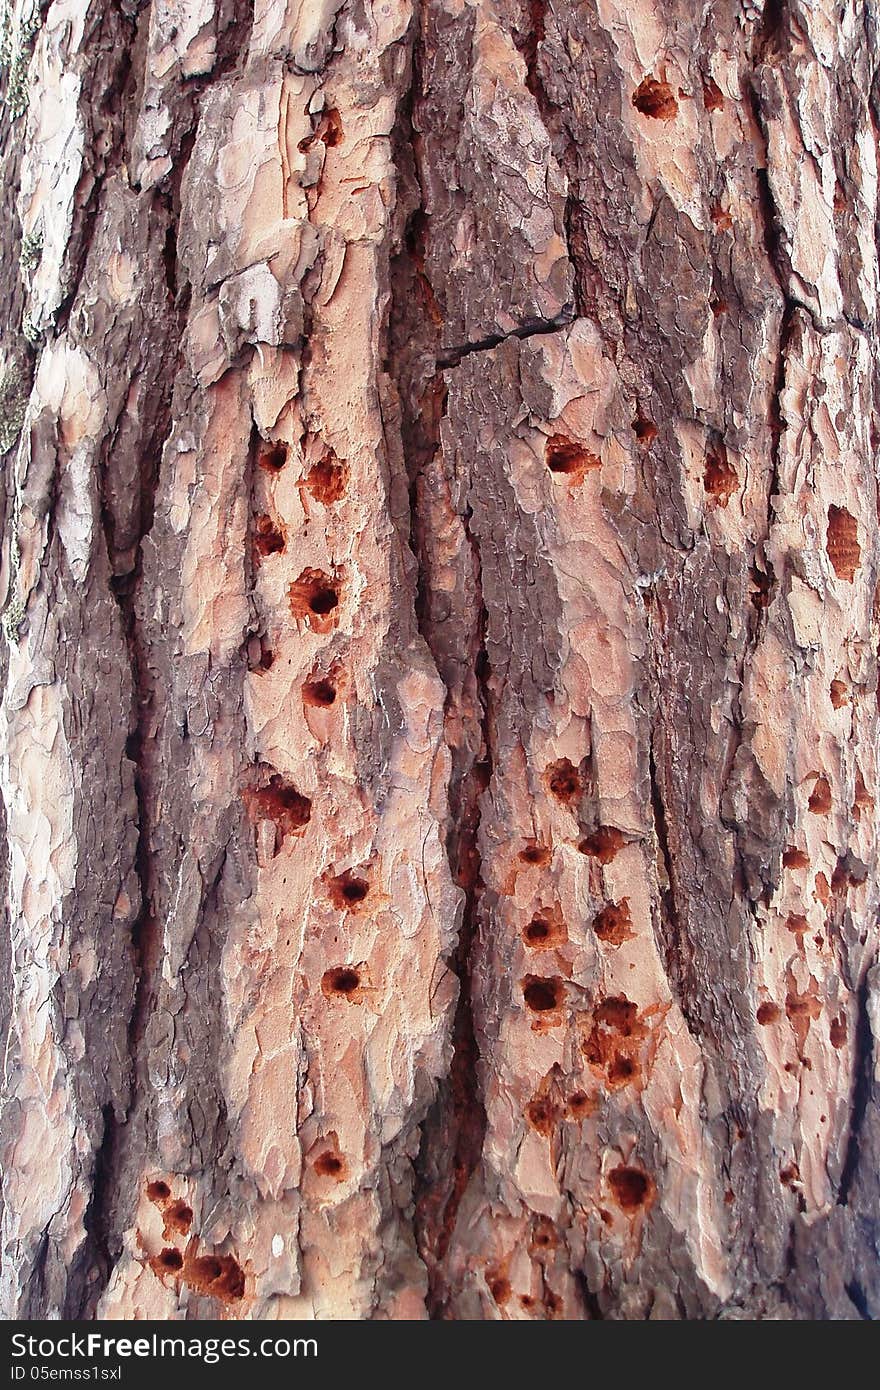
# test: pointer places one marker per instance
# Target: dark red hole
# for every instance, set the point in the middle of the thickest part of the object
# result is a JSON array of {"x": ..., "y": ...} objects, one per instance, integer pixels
[
  {"x": 541, "y": 995},
  {"x": 342, "y": 979},
  {"x": 320, "y": 693}
]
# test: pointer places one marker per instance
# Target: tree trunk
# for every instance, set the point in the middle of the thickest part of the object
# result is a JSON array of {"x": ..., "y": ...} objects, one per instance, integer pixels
[{"x": 440, "y": 726}]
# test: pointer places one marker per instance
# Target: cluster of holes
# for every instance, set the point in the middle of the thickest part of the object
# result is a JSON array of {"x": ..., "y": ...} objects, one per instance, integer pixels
[
  {"x": 613, "y": 924},
  {"x": 612, "y": 1046},
  {"x": 720, "y": 479},
  {"x": 603, "y": 844},
  {"x": 842, "y": 543},
  {"x": 314, "y": 596},
  {"x": 564, "y": 781},
  {"x": 219, "y": 1276},
  {"x": 571, "y": 460},
  {"x": 268, "y": 538},
  {"x": 342, "y": 981},
  {"x": 280, "y": 803},
  {"x": 348, "y": 891},
  {"x": 542, "y": 994},
  {"x": 177, "y": 1214},
  {"x": 327, "y": 479},
  {"x": 655, "y": 99},
  {"x": 631, "y": 1188}
]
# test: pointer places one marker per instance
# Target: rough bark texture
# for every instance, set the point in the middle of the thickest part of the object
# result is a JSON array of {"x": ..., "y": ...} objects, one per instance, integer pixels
[{"x": 440, "y": 731}]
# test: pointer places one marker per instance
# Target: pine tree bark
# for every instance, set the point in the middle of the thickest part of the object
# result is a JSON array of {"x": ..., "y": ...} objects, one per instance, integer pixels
[{"x": 440, "y": 721}]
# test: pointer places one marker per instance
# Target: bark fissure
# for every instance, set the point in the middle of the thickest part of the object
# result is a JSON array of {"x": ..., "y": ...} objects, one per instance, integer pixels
[
  {"x": 862, "y": 1092},
  {"x": 451, "y": 357}
]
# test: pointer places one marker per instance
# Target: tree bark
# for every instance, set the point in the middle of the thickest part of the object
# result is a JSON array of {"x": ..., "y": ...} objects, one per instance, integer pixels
[{"x": 440, "y": 726}]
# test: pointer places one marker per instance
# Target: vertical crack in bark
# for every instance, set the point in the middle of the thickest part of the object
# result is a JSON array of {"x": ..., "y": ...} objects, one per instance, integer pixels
[
  {"x": 453, "y": 1132},
  {"x": 458, "y": 1122},
  {"x": 673, "y": 941},
  {"x": 862, "y": 1087}
]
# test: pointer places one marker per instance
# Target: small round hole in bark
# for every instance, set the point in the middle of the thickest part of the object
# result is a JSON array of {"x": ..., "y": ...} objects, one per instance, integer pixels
[
  {"x": 655, "y": 99},
  {"x": 563, "y": 456},
  {"x": 178, "y": 1216},
  {"x": 281, "y": 803},
  {"x": 622, "y": 1070},
  {"x": 347, "y": 890},
  {"x": 837, "y": 1031},
  {"x": 542, "y": 994},
  {"x": 580, "y": 1105},
  {"x": 330, "y": 1165},
  {"x": 320, "y": 693},
  {"x": 768, "y": 1012},
  {"x": 328, "y": 479},
  {"x": 603, "y": 844},
  {"x": 314, "y": 596},
  {"x": 537, "y": 931},
  {"x": 220, "y": 1276},
  {"x": 613, "y": 924},
  {"x": 268, "y": 538},
  {"x": 158, "y": 1191},
  {"x": 535, "y": 854},
  {"x": 645, "y": 430},
  {"x": 342, "y": 980},
  {"x": 273, "y": 456},
  {"x": 564, "y": 781},
  {"x": 324, "y": 600},
  {"x": 632, "y": 1189},
  {"x": 169, "y": 1258}
]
